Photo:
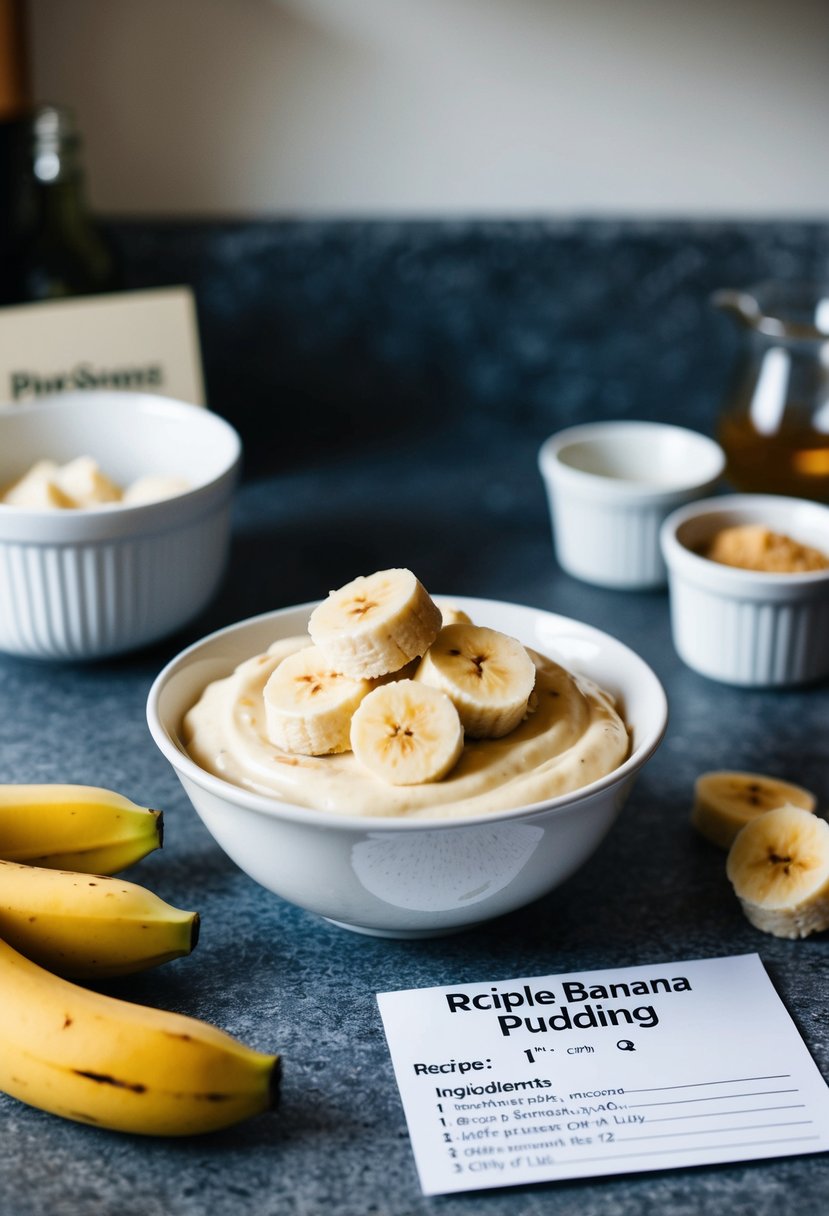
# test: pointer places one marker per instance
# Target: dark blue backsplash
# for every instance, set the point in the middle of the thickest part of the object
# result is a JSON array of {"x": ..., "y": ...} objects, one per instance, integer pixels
[{"x": 321, "y": 335}]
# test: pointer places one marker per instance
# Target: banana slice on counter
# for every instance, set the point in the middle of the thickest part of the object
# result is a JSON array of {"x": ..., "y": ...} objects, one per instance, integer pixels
[
  {"x": 488, "y": 675},
  {"x": 779, "y": 868},
  {"x": 309, "y": 705},
  {"x": 407, "y": 733},
  {"x": 375, "y": 624},
  {"x": 724, "y": 802}
]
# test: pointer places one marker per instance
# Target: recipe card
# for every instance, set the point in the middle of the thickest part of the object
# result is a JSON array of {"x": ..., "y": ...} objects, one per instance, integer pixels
[
  {"x": 132, "y": 341},
  {"x": 601, "y": 1072}
]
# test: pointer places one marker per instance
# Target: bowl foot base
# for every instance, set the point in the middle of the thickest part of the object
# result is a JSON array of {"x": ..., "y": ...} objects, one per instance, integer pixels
[{"x": 400, "y": 934}]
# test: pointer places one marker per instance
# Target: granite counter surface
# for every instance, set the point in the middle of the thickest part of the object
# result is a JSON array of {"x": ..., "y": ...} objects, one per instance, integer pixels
[{"x": 425, "y": 456}]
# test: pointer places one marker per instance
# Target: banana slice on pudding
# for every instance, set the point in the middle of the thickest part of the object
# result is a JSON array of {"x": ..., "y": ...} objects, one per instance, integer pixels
[
  {"x": 375, "y": 624},
  {"x": 488, "y": 675},
  {"x": 309, "y": 705},
  {"x": 407, "y": 733}
]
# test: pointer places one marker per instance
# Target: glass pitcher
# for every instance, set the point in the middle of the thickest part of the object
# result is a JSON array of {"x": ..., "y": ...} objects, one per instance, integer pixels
[{"x": 774, "y": 425}]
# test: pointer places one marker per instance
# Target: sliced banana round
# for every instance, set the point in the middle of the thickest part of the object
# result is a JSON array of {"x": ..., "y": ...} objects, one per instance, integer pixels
[
  {"x": 38, "y": 489},
  {"x": 452, "y": 614},
  {"x": 488, "y": 675},
  {"x": 407, "y": 733},
  {"x": 724, "y": 802},
  {"x": 309, "y": 705},
  {"x": 779, "y": 868},
  {"x": 82, "y": 480},
  {"x": 375, "y": 624}
]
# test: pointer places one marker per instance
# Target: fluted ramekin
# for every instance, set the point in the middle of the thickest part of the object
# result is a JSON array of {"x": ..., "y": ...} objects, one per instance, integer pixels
[
  {"x": 611, "y": 484},
  {"x": 748, "y": 627},
  {"x": 93, "y": 582}
]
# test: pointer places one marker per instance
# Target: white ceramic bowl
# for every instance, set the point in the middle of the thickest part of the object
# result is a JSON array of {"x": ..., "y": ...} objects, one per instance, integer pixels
[
  {"x": 83, "y": 584},
  {"x": 746, "y": 627},
  {"x": 391, "y": 877},
  {"x": 611, "y": 484}
]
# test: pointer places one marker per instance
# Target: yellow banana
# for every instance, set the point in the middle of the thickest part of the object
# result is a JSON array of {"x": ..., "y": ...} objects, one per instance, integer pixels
[
  {"x": 75, "y": 827},
  {"x": 87, "y": 925},
  {"x": 95, "y": 1059}
]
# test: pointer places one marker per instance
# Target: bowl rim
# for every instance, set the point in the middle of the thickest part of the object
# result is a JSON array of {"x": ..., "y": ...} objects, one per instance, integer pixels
[
  {"x": 274, "y": 808},
  {"x": 679, "y": 558},
  {"x": 554, "y": 469},
  {"x": 153, "y": 403},
  {"x": 44, "y": 526}
]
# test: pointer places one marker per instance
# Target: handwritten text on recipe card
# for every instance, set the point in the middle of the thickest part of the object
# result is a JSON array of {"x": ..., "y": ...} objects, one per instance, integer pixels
[{"x": 602, "y": 1072}]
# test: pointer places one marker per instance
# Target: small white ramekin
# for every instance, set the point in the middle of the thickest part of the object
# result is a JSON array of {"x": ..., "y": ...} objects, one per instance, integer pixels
[
  {"x": 611, "y": 484},
  {"x": 87, "y": 583},
  {"x": 747, "y": 627}
]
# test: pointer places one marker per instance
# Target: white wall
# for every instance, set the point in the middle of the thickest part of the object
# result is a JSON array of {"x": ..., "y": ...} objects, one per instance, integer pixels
[{"x": 421, "y": 107}]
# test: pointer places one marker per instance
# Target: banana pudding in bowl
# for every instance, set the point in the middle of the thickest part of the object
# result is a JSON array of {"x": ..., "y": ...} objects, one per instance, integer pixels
[{"x": 436, "y": 798}]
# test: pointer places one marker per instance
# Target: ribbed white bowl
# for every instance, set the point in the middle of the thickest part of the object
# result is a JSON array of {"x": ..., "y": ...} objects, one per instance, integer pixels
[
  {"x": 90, "y": 583},
  {"x": 610, "y": 485},
  {"x": 746, "y": 627}
]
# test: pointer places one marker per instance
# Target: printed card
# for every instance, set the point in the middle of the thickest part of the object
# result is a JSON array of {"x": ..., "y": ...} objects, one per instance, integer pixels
[
  {"x": 605, "y": 1072},
  {"x": 134, "y": 341}
]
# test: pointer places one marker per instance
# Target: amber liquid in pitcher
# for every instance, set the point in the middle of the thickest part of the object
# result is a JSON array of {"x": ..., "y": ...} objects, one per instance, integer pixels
[
  {"x": 774, "y": 424},
  {"x": 793, "y": 461}
]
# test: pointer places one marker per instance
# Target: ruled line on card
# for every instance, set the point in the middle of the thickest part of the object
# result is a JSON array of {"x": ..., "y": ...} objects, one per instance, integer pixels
[
  {"x": 697, "y": 1148},
  {"x": 781, "y": 1076},
  {"x": 756, "y": 1093},
  {"x": 722, "y": 1114},
  {"x": 713, "y": 1131}
]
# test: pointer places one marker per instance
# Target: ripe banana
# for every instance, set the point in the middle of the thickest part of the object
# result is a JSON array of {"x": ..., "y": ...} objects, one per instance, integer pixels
[
  {"x": 308, "y": 706},
  {"x": 488, "y": 675},
  {"x": 95, "y": 1059},
  {"x": 779, "y": 868},
  {"x": 87, "y": 925},
  {"x": 407, "y": 733},
  {"x": 75, "y": 827},
  {"x": 724, "y": 802},
  {"x": 375, "y": 624}
]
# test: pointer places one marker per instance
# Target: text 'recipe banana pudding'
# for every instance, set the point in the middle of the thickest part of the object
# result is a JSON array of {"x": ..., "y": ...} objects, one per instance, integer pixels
[{"x": 394, "y": 708}]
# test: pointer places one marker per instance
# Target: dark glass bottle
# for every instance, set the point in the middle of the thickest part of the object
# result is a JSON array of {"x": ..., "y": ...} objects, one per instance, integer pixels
[{"x": 58, "y": 248}]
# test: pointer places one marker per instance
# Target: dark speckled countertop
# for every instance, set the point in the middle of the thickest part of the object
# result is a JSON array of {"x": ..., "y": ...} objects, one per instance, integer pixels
[{"x": 392, "y": 383}]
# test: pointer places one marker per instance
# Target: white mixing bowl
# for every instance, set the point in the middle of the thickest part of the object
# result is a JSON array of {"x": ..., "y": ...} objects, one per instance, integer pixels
[
  {"x": 397, "y": 878},
  {"x": 86, "y": 583}
]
